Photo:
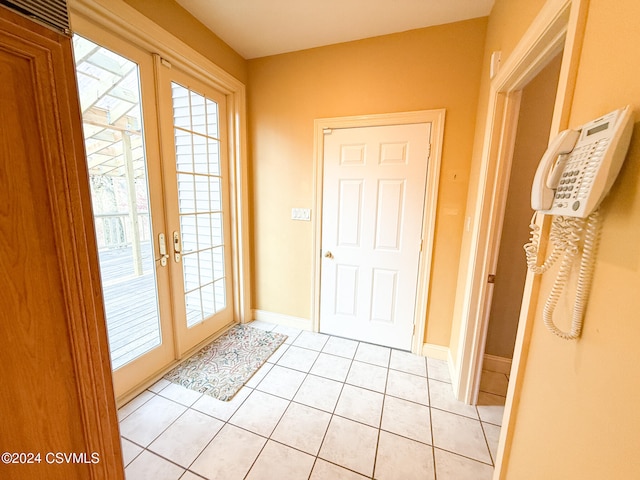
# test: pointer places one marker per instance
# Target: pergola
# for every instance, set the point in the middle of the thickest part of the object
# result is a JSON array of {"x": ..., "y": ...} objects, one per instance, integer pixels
[{"x": 110, "y": 102}]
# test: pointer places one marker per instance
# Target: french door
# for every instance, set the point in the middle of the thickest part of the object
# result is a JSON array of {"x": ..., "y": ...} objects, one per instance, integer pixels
[
  {"x": 193, "y": 127},
  {"x": 160, "y": 203}
]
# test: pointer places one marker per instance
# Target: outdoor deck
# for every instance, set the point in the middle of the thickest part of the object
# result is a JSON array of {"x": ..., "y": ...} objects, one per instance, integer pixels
[{"x": 130, "y": 304}]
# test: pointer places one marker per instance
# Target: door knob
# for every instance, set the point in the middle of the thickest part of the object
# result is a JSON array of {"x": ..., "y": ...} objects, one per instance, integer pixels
[{"x": 328, "y": 255}]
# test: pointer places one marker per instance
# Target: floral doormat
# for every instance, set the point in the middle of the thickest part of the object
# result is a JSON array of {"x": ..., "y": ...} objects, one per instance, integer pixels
[{"x": 221, "y": 368}]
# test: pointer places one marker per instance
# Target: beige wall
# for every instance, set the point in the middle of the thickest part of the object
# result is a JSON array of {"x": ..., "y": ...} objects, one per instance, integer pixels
[
  {"x": 176, "y": 20},
  {"x": 577, "y": 412},
  {"x": 532, "y": 137},
  {"x": 437, "y": 67},
  {"x": 508, "y": 21}
]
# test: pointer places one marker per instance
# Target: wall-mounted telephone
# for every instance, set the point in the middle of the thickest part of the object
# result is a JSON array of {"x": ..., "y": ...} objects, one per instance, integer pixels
[{"x": 574, "y": 175}]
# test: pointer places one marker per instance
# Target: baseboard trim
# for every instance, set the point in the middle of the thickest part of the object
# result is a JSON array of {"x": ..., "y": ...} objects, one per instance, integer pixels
[
  {"x": 497, "y": 364},
  {"x": 435, "y": 351},
  {"x": 281, "y": 319}
]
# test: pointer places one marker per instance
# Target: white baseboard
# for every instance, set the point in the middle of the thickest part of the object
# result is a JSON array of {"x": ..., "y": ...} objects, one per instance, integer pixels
[
  {"x": 453, "y": 373},
  {"x": 281, "y": 319},
  {"x": 435, "y": 351},
  {"x": 497, "y": 364}
]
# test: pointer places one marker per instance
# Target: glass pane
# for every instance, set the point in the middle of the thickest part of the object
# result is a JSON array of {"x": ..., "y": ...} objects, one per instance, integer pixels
[
  {"x": 200, "y": 160},
  {"x": 198, "y": 114},
  {"x": 200, "y": 203},
  {"x": 214, "y": 157},
  {"x": 204, "y": 231},
  {"x": 220, "y": 295},
  {"x": 208, "y": 302},
  {"x": 202, "y": 193},
  {"x": 186, "y": 193},
  {"x": 212, "y": 119},
  {"x": 181, "y": 108},
  {"x": 184, "y": 151},
  {"x": 215, "y": 194},
  {"x": 109, "y": 91},
  {"x": 218, "y": 262},
  {"x": 193, "y": 305},
  {"x": 189, "y": 233},
  {"x": 206, "y": 265},
  {"x": 216, "y": 229},
  {"x": 190, "y": 270}
]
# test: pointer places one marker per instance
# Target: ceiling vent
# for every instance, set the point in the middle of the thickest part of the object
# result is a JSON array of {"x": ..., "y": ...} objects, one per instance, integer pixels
[{"x": 53, "y": 13}]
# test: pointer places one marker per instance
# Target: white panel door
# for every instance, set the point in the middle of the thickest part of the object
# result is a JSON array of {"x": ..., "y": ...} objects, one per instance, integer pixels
[{"x": 373, "y": 200}]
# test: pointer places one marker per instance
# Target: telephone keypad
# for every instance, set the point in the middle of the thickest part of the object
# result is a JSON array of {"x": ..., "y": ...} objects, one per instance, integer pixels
[{"x": 583, "y": 164}]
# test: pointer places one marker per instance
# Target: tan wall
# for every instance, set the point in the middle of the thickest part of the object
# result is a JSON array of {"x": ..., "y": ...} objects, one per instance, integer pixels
[
  {"x": 532, "y": 137},
  {"x": 179, "y": 22},
  {"x": 577, "y": 415},
  {"x": 430, "y": 68},
  {"x": 508, "y": 21}
]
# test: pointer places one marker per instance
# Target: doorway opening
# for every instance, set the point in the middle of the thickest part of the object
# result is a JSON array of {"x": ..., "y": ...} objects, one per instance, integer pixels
[
  {"x": 537, "y": 100},
  {"x": 427, "y": 207}
]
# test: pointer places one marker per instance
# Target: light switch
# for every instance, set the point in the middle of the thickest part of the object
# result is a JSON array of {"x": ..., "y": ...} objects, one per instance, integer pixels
[{"x": 303, "y": 214}]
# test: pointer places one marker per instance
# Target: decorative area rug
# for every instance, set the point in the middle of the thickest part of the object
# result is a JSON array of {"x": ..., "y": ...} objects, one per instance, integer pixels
[{"x": 221, "y": 368}]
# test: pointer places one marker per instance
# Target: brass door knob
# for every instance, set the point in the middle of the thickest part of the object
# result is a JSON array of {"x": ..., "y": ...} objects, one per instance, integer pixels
[{"x": 328, "y": 255}]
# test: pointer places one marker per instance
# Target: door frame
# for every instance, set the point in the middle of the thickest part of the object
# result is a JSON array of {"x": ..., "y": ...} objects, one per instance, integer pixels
[
  {"x": 436, "y": 118},
  {"x": 559, "y": 26},
  {"x": 119, "y": 18}
]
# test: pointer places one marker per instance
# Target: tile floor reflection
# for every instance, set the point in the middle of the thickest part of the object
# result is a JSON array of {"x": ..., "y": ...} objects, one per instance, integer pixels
[{"x": 322, "y": 407}]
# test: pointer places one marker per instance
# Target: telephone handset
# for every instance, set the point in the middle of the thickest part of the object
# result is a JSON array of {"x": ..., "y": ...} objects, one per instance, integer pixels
[{"x": 574, "y": 175}]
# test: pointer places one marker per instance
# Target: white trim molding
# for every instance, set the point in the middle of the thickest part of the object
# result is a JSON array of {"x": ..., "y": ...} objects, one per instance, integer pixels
[
  {"x": 438, "y": 352},
  {"x": 282, "y": 319},
  {"x": 436, "y": 118}
]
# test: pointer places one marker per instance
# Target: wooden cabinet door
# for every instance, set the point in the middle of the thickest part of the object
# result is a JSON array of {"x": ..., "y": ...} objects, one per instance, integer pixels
[{"x": 56, "y": 394}]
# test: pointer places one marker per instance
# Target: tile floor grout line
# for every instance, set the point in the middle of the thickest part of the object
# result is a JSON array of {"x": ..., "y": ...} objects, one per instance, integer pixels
[
  {"x": 463, "y": 456},
  {"x": 332, "y": 414},
  {"x": 282, "y": 416},
  {"x": 257, "y": 456},
  {"x": 224, "y": 424},
  {"x": 486, "y": 441},
  {"x": 153, "y": 394},
  {"x": 433, "y": 441},
  {"x": 386, "y": 383},
  {"x": 380, "y": 429}
]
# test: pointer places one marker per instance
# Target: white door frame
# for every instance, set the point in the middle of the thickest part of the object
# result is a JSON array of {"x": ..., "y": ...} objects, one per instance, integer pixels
[
  {"x": 436, "y": 119},
  {"x": 559, "y": 25}
]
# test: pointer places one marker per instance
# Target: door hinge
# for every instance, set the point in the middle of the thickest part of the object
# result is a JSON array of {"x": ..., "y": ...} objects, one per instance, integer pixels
[
  {"x": 165, "y": 62},
  {"x": 421, "y": 243},
  {"x": 428, "y": 151},
  {"x": 327, "y": 131},
  {"x": 491, "y": 278}
]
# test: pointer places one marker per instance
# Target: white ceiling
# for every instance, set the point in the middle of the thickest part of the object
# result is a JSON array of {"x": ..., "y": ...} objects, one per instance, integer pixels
[{"x": 257, "y": 28}]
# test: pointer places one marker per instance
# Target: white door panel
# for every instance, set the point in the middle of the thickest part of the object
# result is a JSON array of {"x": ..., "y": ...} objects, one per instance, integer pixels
[{"x": 373, "y": 198}]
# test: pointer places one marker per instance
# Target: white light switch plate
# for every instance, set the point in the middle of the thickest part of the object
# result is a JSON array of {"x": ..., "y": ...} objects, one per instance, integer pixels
[{"x": 303, "y": 214}]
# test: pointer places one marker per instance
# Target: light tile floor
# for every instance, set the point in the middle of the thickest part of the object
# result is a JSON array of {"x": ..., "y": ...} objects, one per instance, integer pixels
[{"x": 322, "y": 407}]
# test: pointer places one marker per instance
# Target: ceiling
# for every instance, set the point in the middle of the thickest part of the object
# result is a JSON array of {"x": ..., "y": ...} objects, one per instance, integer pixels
[{"x": 258, "y": 28}]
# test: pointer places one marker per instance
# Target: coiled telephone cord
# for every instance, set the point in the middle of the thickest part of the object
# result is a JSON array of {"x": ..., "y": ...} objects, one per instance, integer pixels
[{"x": 566, "y": 235}]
